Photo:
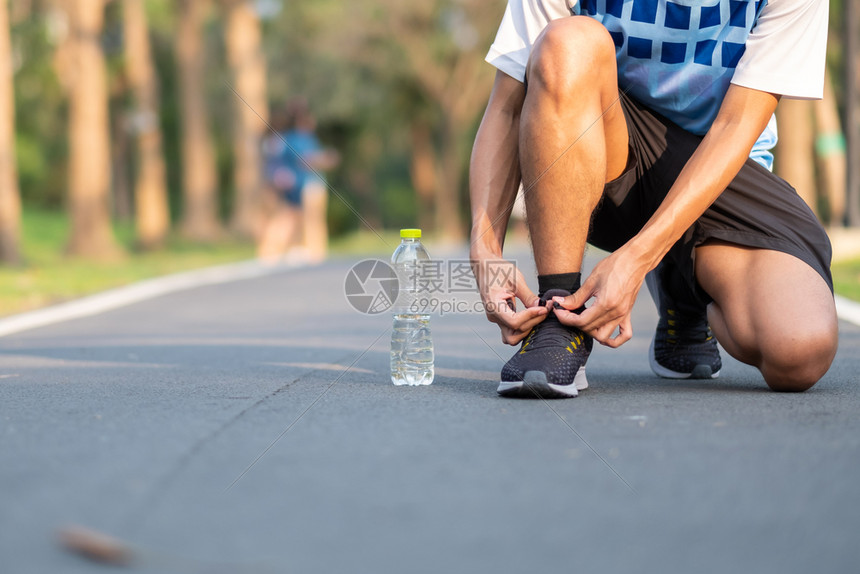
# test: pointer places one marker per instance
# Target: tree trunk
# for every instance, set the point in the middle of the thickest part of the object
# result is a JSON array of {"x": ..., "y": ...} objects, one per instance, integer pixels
[
  {"x": 150, "y": 192},
  {"x": 19, "y": 10},
  {"x": 851, "y": 123},
  {"x": 10, "y": 197},
  {"x": 249, "y": 84},
  {"x": 794, "y": 160},
  {"x": 448, "y": 224},
  {"x": 830, "y": 149},
  {"x": 423, "y": 172},
  {"x": 122, "y": 194},
  {"x": 200, "y": 220},
  {"x": 89, "y": 136}
]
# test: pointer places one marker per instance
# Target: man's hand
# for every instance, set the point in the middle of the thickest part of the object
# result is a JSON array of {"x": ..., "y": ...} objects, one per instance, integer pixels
[
  {"x": 613, "y": 285},
  {"x": 500, "y": 284}
]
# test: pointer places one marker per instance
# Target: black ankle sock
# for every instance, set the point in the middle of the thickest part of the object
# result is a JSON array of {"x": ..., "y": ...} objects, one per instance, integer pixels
[
  {"x": 566, "y": 281},
  {"x": 683, "y": 298}
]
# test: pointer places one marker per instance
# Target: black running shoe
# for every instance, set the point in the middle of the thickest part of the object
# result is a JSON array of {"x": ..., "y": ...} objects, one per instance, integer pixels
[
  {"x": 551, "y": 362},
  {"x": 683, "y": 346}
]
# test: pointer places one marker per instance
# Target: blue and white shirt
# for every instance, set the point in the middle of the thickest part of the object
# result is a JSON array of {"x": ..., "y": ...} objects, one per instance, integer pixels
[{"x": 678, "y": 57}]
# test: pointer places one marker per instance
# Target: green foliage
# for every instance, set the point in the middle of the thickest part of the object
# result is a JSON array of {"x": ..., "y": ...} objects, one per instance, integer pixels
[
  {"x": 352, "y": 70},
  {"x": 846, "y": 278},
  {"x": 835, "y": 43},
  {"x": 162, "y": 41},
  {"x": 400, "y": 207},
  {"x": 222, "y": 106},
  {"x": 32, "y": 162},
  {"x": 40, "y": 114},
  {"x": 364, "y": 242},
  {"x": 351, "y": 61}
]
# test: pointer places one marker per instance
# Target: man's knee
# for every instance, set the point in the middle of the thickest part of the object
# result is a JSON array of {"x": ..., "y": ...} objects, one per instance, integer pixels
[
  {"x": 800, "y": 361},
  {"x": 790, "y": 334},
  {"x": 571, "y": 52}
]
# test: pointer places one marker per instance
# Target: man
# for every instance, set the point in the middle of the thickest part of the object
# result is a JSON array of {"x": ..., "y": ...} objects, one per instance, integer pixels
[{"x": 644, "y": 127}]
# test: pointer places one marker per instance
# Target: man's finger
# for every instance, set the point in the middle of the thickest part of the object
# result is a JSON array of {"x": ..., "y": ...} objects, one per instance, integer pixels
[
  {"x": 521, "y": 324},
  {"x": 595, "y": 322},
  {"x": 526, "y": 295},
  {"x": 569, "y": 318},
  {"x": 514, "y": 336},
  {"x": 625, "y": 333},
  {"x": 516, "y": 319},
  {"x": 580, "y": 297},
  {"x": 529, "y": 316},
  {"x": 533, "y": 322},
  {"x": 588, "y": 319},
  {"x": 511, "y": 337}
]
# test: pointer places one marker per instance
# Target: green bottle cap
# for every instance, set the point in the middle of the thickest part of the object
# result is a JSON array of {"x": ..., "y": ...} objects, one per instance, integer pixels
[{"x": 410, "y": 233}]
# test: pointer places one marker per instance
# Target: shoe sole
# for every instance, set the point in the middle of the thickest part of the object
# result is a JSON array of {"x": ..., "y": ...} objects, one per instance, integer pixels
[
  {"x": 534, "y": 384},
  {"x": 699, "y": 372}
]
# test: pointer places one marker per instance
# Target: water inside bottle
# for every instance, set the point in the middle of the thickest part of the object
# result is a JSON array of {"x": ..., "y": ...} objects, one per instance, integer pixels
[{"x": 411, "y": 350}]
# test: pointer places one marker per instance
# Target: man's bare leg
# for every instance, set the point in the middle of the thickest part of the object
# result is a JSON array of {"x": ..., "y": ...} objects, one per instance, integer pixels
[
  {"x": 770, "y": 310},
  {"x": 278, "y": 234},
  {"x": 315, "y": 227},
  {"x": 573, "y": 138}
]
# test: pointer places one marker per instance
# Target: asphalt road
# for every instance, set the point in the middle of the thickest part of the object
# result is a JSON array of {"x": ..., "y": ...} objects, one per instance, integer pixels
[{"x": 252, "y": 427}]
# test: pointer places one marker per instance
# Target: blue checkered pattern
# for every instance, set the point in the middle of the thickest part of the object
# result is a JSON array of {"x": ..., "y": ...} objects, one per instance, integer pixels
[{"x": 678, "y": 57}]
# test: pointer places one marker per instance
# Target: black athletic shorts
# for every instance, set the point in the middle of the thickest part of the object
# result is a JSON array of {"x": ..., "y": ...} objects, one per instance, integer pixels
[{"x": 758, "y": 209}]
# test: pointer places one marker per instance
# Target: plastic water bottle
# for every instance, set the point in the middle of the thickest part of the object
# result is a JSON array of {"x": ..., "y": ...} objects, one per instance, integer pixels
[{"x": 411, "y": 342}]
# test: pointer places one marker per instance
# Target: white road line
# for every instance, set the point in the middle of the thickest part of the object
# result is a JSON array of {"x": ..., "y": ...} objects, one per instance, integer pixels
[
  {"x": 848, "y": 310},
  {"x": 122, "y": 296}
]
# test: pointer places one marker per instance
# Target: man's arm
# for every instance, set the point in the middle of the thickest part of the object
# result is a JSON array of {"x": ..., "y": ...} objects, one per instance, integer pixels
[
  {"x": 494, "y": 178},
  {"x": 616, "y": 280},
  {"x": 494, "y": 173}
]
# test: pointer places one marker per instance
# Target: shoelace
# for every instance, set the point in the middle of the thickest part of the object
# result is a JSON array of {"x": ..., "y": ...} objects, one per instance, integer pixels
[{"x": 553, "y": 334}]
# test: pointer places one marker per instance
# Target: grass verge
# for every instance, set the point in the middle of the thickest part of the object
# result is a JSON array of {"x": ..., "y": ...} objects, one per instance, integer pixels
[
  {"x": 846, "y": 278},
  {"x": 48, "y": 276}
]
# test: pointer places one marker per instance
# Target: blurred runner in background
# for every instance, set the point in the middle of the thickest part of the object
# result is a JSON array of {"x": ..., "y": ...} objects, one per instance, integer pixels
[{"x": 294, "y": 160}]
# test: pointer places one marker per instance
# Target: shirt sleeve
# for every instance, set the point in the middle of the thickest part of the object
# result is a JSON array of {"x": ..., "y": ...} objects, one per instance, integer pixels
[
  {"x": 523, "y": 22},
  {"x": 785, "y": 51}
]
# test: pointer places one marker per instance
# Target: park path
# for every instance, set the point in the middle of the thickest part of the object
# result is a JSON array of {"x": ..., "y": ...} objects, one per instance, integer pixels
[{"x": 250, "y": 426}]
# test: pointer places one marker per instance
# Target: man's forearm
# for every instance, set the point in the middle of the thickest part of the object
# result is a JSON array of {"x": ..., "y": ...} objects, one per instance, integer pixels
[
  {"x": 709, "y": 171},
  {"x": 494, "y": 174},
  {"x": 493, "y": 181}
]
